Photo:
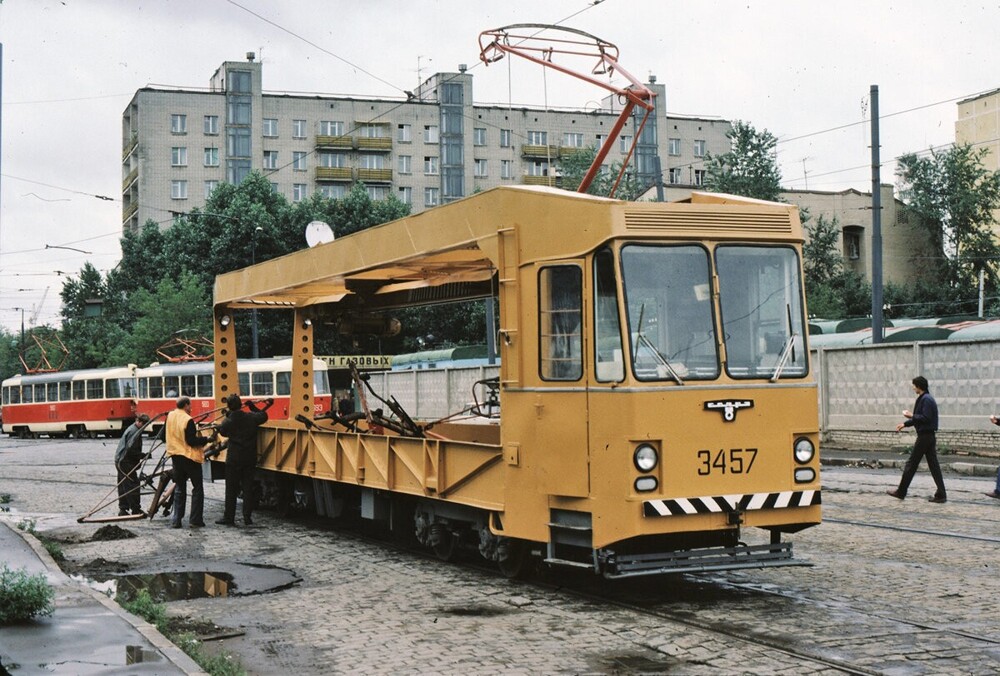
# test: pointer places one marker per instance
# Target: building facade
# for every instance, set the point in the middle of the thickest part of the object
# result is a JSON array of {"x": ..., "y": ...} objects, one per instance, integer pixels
[{"x": 432, "y": 147}]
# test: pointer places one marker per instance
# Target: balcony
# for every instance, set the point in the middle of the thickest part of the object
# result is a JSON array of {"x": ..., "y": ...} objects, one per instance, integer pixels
[
  {"x": 129, "y": 211},
  {"x": 334, "y": 174},
  {"x": 550, "y": 181},
  {"x": 569, "y": 151},
  {"x": 334, "y": 141},
  {"x": 375, "y": 143},
  {"x": 540, "y": 151},
  {"x": 130, "y": 147},
  {"x": 132, "y": 175},
  {"x": 375, "y": 175}
]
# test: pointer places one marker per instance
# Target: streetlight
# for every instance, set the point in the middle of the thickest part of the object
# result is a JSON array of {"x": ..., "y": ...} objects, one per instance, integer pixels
[{"x": 253, "y": 312}]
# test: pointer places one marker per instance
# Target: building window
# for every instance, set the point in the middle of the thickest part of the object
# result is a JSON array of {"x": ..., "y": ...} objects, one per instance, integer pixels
[
  {"x": 479, "y": 136},
  {"x": 432, "y": 197},
  {"x": 238, "y": 139},
  {"x": 506, "y": 170},
  {"x": 270, "y": 159},
  {"x": 699, "y": 177},
  {"x": 699, "y": 148},
  {"x": 299, "y": 160},
  {"x": 599, "y": 139},
  {"x": 430, "y": 165},
  {"x": 332, "y": 160},
  {"x": 270, "y": 126},
  {"x": 372, "y": 130},
  {"x": 405, "y": 164},
  {"x": 538, "y": 168},
  {"x": 372, "y": 161},
  {"x": 431, "y": 133},
  {"x": 406, "y": 195},
  {"x": 240, "y": 81},
  {"x": 178, "y": 124},
  {"x": 625, "y": 143},
  {"x": 238, "y": 110},
  {"x": 573, "y": 139},
  {"x": 211, "y": 157},
  {"x": 210, "y": 186},
  {"x": 674, "y": 146},
  {"x": 377, "y": 192},
  {"x": 298, "y": 128},
  {"x": 178, "y": 190},
  {"x": 538, "y": 138},
  {"x": 404, "y": 132},
  {"x": 852, "y": 243},
  {"x": 675, "y": 175},
  {"x": 274, "y": 188},
  {"x": 212, "y": 125},
  {"x": 479, "y": 170},
  {"x": 298, "y": 192},
  {"x": 333, "y": 192},
  {"x": 505, "y": 138},
  {"x": 331, "y": 128},
  {"x": 237, "y": 170},
  {"x": 178, "y": 157}
]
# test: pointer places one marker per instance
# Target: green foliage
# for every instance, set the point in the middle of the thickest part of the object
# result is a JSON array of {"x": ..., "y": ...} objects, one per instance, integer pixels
[
  {"x": 153, "y": 612},
  {"x": 573, "y": 168},
  {"x": 5, "y": 498},
  {"x": 750, "y": 168},
  {"x": 953, "y": 197},
  {"x": 23, "y": 596},
  {"x": 831, "y": 290},
  {"x": 27, "y": 525},
  {"x": 53, "y": 548}
]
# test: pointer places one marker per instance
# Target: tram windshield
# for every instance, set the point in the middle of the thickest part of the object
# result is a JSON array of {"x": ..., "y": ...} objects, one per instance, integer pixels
[
  {"x": 761, "y": 303},
  {"x": 668, "y": 296}
]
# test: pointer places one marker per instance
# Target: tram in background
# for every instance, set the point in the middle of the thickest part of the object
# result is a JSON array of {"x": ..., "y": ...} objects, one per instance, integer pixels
[
  {"x": 83, "y": 403},
  {"x": 159, "y": 386},
  {"x": 657, "y": 408}
]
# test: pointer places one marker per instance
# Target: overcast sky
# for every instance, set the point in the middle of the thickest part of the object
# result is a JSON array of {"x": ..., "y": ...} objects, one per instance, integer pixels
[{"x": 798, "y": 69}]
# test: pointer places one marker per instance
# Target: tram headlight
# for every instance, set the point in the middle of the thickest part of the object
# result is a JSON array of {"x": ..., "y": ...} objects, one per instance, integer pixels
[
  {"x": 804, "y": 450},
  {"x": 644, "y": 484},
  {"x": 645, "y": 458}
]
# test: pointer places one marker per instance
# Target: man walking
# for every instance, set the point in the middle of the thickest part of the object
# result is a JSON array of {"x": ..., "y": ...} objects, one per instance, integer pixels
[
  {"x": 241, "y": 455},
  {"x": 924, "y": 418}
]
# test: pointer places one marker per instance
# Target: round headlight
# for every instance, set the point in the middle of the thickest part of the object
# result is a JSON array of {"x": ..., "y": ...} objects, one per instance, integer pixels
[
  {"x": 804, "y": 450},
  {"x": 645, "y": 458}
]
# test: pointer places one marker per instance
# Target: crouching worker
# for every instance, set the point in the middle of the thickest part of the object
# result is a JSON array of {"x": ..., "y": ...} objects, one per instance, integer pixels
[{"x": 241, "y": 455}]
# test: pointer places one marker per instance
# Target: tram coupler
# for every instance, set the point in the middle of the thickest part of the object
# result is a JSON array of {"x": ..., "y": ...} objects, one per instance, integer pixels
[{"x": 734, "y": 518}]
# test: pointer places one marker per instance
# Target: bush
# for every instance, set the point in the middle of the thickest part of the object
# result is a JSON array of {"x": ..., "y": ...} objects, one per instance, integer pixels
[
  {"x": 23, "y": 596},
  {"x": 145, "y": 607}
]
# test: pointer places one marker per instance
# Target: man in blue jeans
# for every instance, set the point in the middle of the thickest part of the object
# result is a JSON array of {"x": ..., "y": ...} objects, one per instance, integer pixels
[
  {"x": 923, "y": 418},
  {"x": 995, "y": 493}
]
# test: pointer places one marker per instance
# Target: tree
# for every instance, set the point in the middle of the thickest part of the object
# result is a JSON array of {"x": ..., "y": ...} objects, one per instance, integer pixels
[
  {"x": 574, "y": 167},
  {"x": 953, "y": 197},
  {"x": 831, "y": 290},
  {"x": 749, "y": 168}
]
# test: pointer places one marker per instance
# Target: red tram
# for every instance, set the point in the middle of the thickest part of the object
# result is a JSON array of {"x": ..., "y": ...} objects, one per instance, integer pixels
[{"x": 84, "y": 403}]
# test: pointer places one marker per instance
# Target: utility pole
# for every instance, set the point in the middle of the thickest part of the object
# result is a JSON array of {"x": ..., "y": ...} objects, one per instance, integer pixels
[
  {"x": 253, "y": 312},
  {"x": 876, "y": 225}
]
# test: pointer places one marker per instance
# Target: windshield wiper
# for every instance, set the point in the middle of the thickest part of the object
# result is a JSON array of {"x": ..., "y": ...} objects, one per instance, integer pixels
[
  {"x": 659, "y": 357},
  {"x": 786, "y": 350}
]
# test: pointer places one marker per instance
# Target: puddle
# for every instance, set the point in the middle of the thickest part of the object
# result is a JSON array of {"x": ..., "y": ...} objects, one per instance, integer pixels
[
  {"x": 194, "y": 580},
  {"x": 473, "y": 611}
]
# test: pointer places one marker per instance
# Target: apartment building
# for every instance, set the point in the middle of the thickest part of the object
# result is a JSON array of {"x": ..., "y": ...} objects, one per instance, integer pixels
[{"x": 434, "y": 146}]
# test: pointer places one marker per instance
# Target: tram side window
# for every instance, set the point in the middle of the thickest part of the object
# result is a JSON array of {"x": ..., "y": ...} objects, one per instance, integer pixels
[
  {"x": 156, "y": 388},
  {"x": 65, "y": 393},
  {"x": 244, "y": 379},
  {"x": 188, "y": 386},
  {"x": 79, "y": 390},
  {"x": 128, "y": 387},
  {"x": 560, "y": 322},
  {"x": 6, "y": 396},
  {"x": 607, "y": 327},
  {"x": 172, "y": 386},
  {"x": 284, "y": 386},
  {"x": 112, "y": 387},
  {"x": 205, "y": 385},
  {"x": 39, "y": 393},
  {"x": 52, "y": 392},
  {"x": 322, "y": 382},
  {"x": 95, "y": 389},
  {"x": 27, "y": 396},
  {"x": 262, "y": 384}
]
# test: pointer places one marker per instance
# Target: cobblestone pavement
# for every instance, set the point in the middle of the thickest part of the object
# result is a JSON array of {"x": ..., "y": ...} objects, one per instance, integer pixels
[{"x": 883, "y": 599}]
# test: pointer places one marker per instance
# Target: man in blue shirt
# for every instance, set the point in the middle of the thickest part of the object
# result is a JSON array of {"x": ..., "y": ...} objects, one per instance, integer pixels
[{"x": 923, "y": 418}]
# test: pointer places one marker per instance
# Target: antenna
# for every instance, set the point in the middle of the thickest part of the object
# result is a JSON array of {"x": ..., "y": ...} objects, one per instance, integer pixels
[{"x": 318, "y": 232}]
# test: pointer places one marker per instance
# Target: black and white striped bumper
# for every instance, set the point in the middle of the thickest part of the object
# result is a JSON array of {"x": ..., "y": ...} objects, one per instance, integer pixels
[{"x": 727, "y": 504}]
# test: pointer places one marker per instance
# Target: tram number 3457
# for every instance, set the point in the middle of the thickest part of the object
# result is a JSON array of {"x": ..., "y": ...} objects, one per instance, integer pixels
[{"x": 732, "y": 461}]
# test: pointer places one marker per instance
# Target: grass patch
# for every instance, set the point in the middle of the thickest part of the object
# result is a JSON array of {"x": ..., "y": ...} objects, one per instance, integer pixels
[
  {"x": 145, "y": 607},
  {"x": 23, "y": 596},
  {"x": 5, "y": 498},
  {"x": 53, "y": 548}
]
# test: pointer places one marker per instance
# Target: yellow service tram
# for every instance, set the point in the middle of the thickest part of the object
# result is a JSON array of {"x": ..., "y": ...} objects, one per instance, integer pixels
[{"x": 655, "y": 395}]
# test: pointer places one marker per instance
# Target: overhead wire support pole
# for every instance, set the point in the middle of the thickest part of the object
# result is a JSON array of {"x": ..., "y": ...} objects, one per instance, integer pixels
[
  {"x": 876, "y": 225},
  {"x": 495, "y": 44}
]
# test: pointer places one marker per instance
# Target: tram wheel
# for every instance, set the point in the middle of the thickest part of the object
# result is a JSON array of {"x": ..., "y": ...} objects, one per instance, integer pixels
[
  {"x": 443, "y": 542},
  {"x": 515, "y": 564}
]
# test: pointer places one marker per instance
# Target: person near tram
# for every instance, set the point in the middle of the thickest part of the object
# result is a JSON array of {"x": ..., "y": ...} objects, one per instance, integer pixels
[
  {"x": 923, "y": 418},
  {"x": 185, "y": 447},
  {"x": 128, "y": 458},
  {"x": 995, "y": 493},
  {"x": 240, "y": 427}
]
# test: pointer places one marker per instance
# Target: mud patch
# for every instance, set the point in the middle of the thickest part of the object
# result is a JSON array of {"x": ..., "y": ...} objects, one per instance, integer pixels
[
  {"x": 473, "y": 611},
  {"x": 637, "y": 664},
  {"x": 112, "y": 532}
]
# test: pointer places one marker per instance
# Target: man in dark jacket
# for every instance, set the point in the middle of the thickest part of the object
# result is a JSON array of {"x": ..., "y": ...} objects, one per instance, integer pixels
[
  {"x": 240, "y": 427},
  {"x": 923, "y": 418},
  {"x": 128, "y": 457}
]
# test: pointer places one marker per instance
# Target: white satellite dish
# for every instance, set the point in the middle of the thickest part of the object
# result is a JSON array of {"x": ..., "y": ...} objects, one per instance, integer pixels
[{"x": 318, "y": 232}]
